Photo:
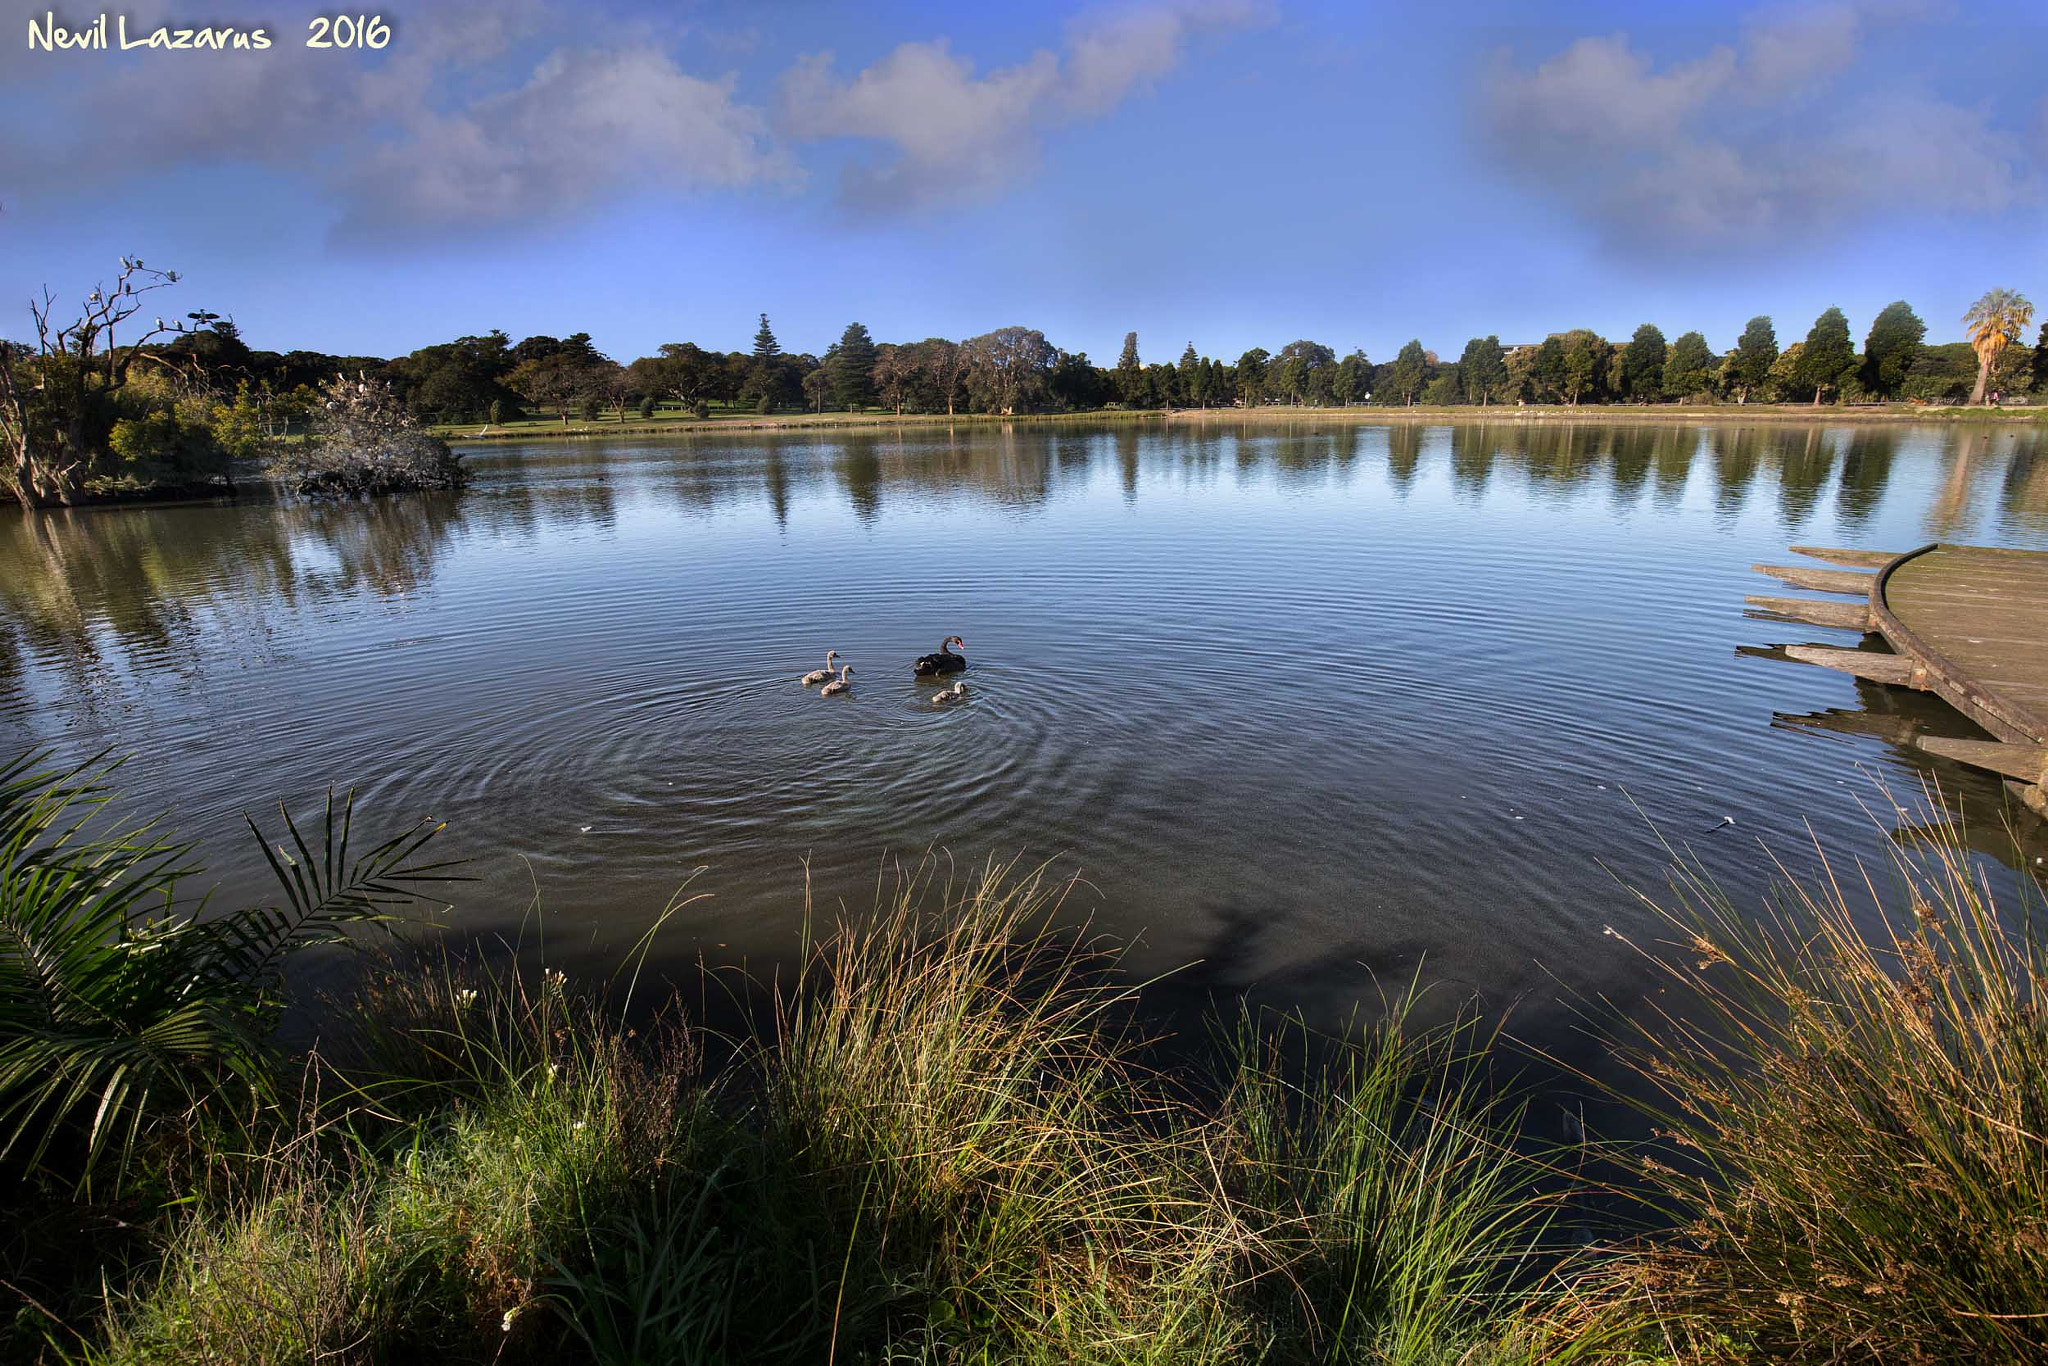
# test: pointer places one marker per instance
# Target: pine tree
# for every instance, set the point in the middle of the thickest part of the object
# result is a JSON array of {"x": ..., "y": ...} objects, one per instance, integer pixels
[
  {"x": 852, "y": 368},
  {"x": 766, "y": 348},
  {"x": 1130, "y": 376}
]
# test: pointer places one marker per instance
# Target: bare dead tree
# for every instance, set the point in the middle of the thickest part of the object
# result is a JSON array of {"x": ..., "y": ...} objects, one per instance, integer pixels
[{"x": 51, "y": 391}]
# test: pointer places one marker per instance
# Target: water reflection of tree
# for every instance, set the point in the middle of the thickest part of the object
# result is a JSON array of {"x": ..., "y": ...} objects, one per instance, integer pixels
[
  {"x": 2025, "y": 492},
  {"x": 1630, "y": 458},
  {"x": 1472, "y": 453},
  {"x": 1866, "y": 469},
  {"x": 858, "y": 463},
  {"x": 89, "y": 588},
  {"x": 1562, "y": 457},
  {"x": 1806, "y": 457},
  {"x": 387, "y": 545},
  {"x": 1672, "y": 449},
  {"x": 1404, "y": 454},
  {"x": 1127, "y": 462},
  {"x": 1948, "y": 515},
  {"x": 1736, "y": 453},
  {"x": 775, "y": 478},
  {"x": 79, "y": 585}
]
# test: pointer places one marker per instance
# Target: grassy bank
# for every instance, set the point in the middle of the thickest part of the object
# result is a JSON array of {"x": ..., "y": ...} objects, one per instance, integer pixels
[
  {"x": 948, "y": 1140},
  {"x": 682, "y": 423}
]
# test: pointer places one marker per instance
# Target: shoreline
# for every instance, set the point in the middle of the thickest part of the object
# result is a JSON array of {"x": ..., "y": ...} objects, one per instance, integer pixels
[{"x": 1638, "y": 414}]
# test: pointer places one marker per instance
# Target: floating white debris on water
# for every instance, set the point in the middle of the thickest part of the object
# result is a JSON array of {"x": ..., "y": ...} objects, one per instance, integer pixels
[{"x": 584, "y": 828}]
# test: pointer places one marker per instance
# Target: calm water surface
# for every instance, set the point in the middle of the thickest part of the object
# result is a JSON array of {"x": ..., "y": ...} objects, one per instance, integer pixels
[{"x": 1302, "y": 705}]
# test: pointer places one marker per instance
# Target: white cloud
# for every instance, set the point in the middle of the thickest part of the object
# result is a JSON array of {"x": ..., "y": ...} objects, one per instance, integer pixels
[
  {"x": 952, "y": 134},
  {"x": 587, "y": 124},
  {"x": 1744, "y": 143},
  {"x": 448, "y": 128}
]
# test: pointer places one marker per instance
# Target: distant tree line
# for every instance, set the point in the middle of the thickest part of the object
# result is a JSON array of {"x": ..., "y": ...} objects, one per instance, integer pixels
[
  {"x": 1016, "y": 370},
  {"x": 180, "y": 404}
]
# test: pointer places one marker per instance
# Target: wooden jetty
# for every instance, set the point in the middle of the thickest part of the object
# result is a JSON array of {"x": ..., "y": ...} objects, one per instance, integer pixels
[{"x": 1967, "y": 623}]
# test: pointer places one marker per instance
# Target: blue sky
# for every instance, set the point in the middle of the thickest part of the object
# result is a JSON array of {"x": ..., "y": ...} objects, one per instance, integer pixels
[{"x": 1227, "y": 172}]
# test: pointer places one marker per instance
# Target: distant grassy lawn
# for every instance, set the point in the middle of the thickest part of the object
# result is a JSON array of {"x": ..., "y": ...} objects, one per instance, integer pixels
[{"x": 675, "y": 421}]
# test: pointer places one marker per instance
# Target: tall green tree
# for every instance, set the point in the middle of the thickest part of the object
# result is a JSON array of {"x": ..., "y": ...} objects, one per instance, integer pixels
[
  {"x": 851, "y": 368},
  {"x": 1829, "y": 357},
  {"x": 1130, "y": 375},
  {"x": 1642, "y": 364},
  {"x": 2041, "y": 359},
  {"x": 1222, "y": 382},
  {"x": 1251, "y": 376},
  {"x": 1755, "y": 353},
  {"x": 1994, "y": 323},
  {"x": 1482, "y": 369},
  {"x": 1298, "y": 371},
  {"x": 1352, "y": 382},
  {"x": 1584, "y": 353},
  {"x": 1409, "y": 372},
  {"x": 1190, "y": 375},
  {"x": 766, "y": 348},
  {"x": 1007, "y": 370},
  {"x": 1689, "y": 369},
  {"x": 1896, "y": 336}
]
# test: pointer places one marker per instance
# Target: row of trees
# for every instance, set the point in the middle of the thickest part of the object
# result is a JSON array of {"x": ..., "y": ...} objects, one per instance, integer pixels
[
  {"x": 1016, "y": 369},
  {"x": 81, "y": 411}
]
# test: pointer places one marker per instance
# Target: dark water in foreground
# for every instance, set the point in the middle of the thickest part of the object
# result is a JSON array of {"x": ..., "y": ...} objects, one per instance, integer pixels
[{"x": 1305, "y": 705}]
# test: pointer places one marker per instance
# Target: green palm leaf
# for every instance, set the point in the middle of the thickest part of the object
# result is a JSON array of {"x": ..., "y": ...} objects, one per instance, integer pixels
[{"x": 118, "y": 1003}]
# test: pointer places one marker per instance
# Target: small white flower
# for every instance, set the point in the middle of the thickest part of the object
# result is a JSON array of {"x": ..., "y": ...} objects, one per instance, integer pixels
[
  {"x": 466, "y": 997},
  {"x": 553, "y": 1071},
  {"x": 506, "y": 1325},
  {"x": 578, "y": 1126}
]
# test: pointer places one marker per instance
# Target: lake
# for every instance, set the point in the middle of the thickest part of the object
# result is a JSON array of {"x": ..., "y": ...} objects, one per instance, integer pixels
[{"x": 1306, "y": 706}]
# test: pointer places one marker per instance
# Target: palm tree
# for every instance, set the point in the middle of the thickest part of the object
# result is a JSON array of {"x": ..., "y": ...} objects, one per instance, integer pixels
[{"x": 1994, "y": 321}]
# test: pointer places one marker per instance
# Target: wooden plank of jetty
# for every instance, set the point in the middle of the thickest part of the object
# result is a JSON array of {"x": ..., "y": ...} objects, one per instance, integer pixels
[
  {"x": 1847, "y": 616},
  {"x": 1977, "y": 619},
  {"x": 2028, "y": 763},
  {"x": 1895, "y": 669},
  {"x": 1967, "y": 623},
  {"x": 1852, "y": 559},
  {"x": 1819, "y": 580}
]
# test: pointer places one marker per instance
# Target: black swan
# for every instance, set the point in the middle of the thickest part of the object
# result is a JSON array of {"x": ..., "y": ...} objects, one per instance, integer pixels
[
  {"x": 944, "y": 662},
  {"x": 952, "y": 694},
  {"x": 820, "y": 675},
  {"x": 839, "y": 684}
]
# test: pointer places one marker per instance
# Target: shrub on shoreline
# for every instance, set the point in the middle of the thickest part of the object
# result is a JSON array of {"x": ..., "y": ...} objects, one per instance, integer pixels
[{"x": 365, "y": 442}]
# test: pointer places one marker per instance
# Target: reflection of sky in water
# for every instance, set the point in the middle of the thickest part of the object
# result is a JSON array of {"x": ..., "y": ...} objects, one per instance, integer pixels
[{"x": 1294, "y": 700}]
